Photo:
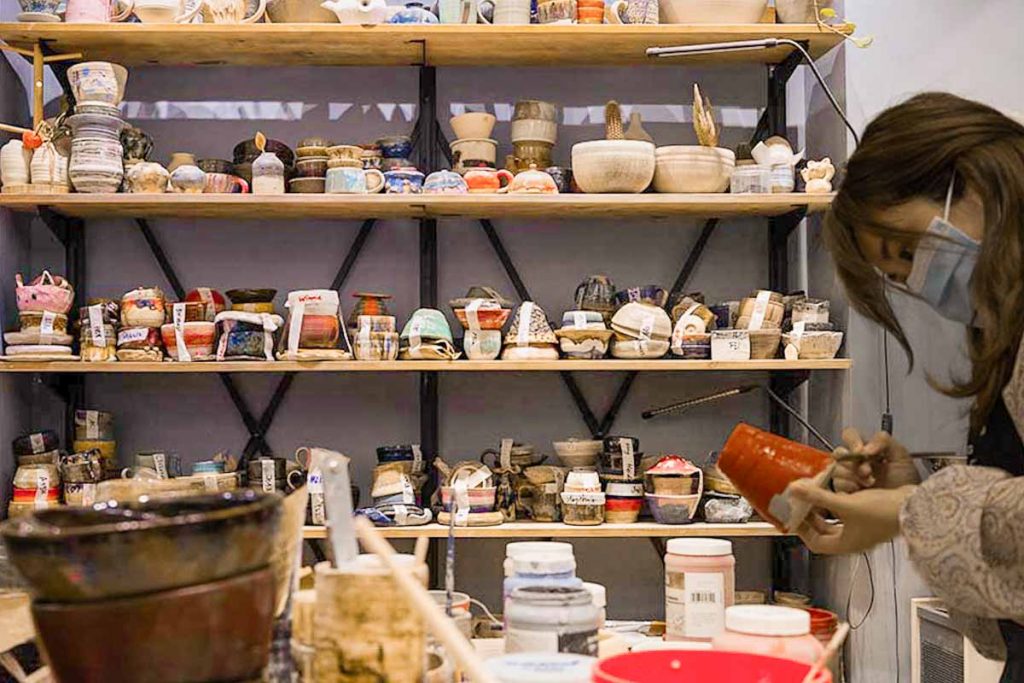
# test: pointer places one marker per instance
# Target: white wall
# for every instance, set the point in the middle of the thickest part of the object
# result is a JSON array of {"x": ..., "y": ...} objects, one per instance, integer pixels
[{"x": 972, "y": 49}]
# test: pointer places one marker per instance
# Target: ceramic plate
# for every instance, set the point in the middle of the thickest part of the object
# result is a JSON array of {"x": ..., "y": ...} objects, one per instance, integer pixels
[{"x": 35, "y": 357}]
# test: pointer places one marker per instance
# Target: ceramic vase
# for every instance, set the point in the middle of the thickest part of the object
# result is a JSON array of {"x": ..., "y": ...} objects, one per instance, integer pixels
[
  {"x": 15, "y": 162},
  {"x": 96, "y": 164},
  {"x": 49, "y": 167},
  {"x": 267, "y": 174}
]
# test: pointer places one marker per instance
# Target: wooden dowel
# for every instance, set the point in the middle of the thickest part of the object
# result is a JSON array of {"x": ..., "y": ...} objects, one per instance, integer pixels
[
  {"x": 830, "y": 651},
  {"x": 420, "y": 551},
  {"x": 37, "y": 84},
  {"x": 62, "y": 57},
  {"x": 443, "y": 628},
  {"x": 13, "y": 129},
  {"x": 19, "y": 50}
]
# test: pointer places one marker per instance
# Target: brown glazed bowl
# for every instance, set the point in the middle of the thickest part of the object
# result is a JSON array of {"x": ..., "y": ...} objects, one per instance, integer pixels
[
  {"x": 70, "y": 554},
  {"x": 217, "y": 631}
]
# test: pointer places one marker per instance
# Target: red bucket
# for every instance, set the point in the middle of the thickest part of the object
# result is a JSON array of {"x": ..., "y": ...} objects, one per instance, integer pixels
[{"x": 700, "y": 666}]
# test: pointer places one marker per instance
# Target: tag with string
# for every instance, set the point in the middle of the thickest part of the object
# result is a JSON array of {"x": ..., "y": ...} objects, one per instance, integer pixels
[
  {"x": 408, "y": 492},
  {"x": 579, "y": 320},
  {"x": 646, "y": 330},
  {"x": 179, "y": 333},
  {"x": 415, "y": 332},
  {"x": 88, "y": 493},
  {"x": 42, "y": 488},
  {"x": 505, "y": 454},
  {"x": 460, "y": 502},
  {"x": 472, "y": 319},
  {"x": 160, "y": 465},
  {"x": 269, "y": 479},
  {"x": 96, "y": 329},
  {"x": 210, "y": 483},
  {"x": 417, "y": 459},
  {"x": 315, "y": 482},
  {"x": 628, "y": 458},
  {"x": 46, "y": 324},
  {"x": 401, "y": 515},
  {"x": 295, "y": 326},
  {"x": 760, "y": 310},
  {"x": 92, "y": 424},
  {"x": 525, "y": 319}
]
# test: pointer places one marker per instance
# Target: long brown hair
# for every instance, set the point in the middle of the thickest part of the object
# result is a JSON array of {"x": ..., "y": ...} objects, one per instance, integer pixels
[{"x": 912, "y": 151}]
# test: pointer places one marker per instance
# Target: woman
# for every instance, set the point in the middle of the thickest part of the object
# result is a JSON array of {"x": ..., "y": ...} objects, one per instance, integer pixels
[{"x": 932, "y": 204}]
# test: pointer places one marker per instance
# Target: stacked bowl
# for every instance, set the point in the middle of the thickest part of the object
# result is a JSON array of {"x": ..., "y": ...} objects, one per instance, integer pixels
[
  {"x": 310, "y": 166},
  {"x": 534, "y": 133},
  {"x": 96, "y": 163},
  {"x": 473, "y": 146},
  {"x": 641, "y": 331},
  {"x": 43, "y": 307}
]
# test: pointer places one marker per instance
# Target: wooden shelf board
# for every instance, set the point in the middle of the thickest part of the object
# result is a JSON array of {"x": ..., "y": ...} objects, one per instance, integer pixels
[
  {"x": 408, "y": 45},
  {"x": 607, "y": 365},
  {"x": 590, "y": 206},
  {"x": 559, "y": 530}
]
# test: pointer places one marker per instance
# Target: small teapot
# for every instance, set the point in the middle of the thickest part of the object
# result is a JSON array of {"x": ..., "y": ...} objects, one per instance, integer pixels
[
  {"x": 632, "y": 12},
  {"x": 358, "y": 11},
  {"x": 445, "y": 182}
]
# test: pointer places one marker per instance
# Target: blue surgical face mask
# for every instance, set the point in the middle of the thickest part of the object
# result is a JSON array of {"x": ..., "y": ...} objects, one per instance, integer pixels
[{"x": 943, "y": 264}]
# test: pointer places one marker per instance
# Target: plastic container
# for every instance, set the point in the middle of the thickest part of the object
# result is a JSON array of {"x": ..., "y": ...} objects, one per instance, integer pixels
[
  {"x": 513, "y": 550},
  {"x": 556, "y": 570},
  {"x": 551, "y": 619},
  {"x": 751, "y": 179},
  {"x": 600, "y": 597},
  {"x": 783, "y": 632},
  {"x": 700, "y": 582},
  {"x": 700, "y": 667}
]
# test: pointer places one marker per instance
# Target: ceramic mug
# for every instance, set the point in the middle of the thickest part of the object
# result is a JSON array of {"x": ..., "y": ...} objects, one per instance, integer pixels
[
  {"x": 347, "y": 180},
  {"x": 224, "y": 183},
  {"x": 458, "y": 11},
  {"x": 557, "y": 12},
  {"x": 403, "y": 181},
  {"x": 506, "y": 11},
  {"x": 95, "y": 11},
  {"x": 231, "y": 11},
  {"x": 165, "y": 11}
]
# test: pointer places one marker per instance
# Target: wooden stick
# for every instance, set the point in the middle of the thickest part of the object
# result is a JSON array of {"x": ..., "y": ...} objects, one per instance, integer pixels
[
  {"x": 443, "y": 628},
  {"x": 422, "y": 546},
  {"x": 62, "y": 57},
  {"x": 13, "y": 129},
  {"x": 19, "y": 50},
  {"x": 37, "y": 84},
  {"x": 830, "y": 651}
]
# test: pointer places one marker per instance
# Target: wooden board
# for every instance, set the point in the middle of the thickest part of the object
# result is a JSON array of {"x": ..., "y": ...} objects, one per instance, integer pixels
[
  {"x": 559, "y": 530},
  {"x": 411, "y": 45},
  {"x": 590, "y": 206},
  {"x": 607, "y": 365}
]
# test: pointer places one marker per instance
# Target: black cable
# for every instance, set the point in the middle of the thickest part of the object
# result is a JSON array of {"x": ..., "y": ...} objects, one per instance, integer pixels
[{"x": 821, "y": 81}]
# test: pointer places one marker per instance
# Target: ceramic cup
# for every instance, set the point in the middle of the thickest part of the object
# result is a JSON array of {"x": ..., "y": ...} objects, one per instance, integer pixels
[
  {"x": 348, "y": 180},
  {"x": 36, "y": 8},
  {"x": 557, "y": 12},
  {"x": 224, "y": 183},
  {"x": 457, "y": 11},
  {"x": 403, "y": 181},
  {"x": 505, "y": 12},
  {"x": 95, "y": 11}
]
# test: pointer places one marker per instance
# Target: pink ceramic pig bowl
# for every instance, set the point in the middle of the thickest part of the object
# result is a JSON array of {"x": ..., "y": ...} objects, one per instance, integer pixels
[{"x": 42, "y": 297}]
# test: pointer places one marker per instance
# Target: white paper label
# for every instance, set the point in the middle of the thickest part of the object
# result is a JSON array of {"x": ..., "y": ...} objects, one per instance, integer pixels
[
  {"x": 315, "y": 482},
  {"x": 408, "y": 492},
  {"x": 415, "y": 332},
  {"x": 760, "y": 309},
  {"x": 628, "y": 459},
  {"x": 646, "y": 328},
  {"x": 478, "y": 477},
  {"x": 697, "y": 610},
  {"x": 295, "y": 327},
  {"x": 505, "y": 456},
  {"x": 210, "y": 482},
  {"x": 42, "y": 487},
  {"x": 268, "y": 479},
  {"x": 730, "y": 345},
  {"x": 179, "y": 333},
  {"x": 363, "y": 335},
  {"x": 472, "y": 319},
  {"x": 583, "y": 498},
  {"x": 92, "y": 424},
  {"x": 401, "y": 515},
  {"x": 88, "y": 493},
  {"x": 96, "y": 328},
  {"x": 579, "y": 320},
  {"x": 160, "y": 465},
  {"x": 38, "y": 445},
  {"x": 46, "y": 324},
  {"x": 417, "y": 459},
  {"x": 522, "y": 640},
  {"x": 525, "y": 318},
  {"x": 460, "y": 503},
  {"x": 133, "y": 334}
]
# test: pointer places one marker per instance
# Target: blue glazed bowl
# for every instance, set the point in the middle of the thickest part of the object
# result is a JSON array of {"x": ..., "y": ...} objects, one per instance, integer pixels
[
  {"x": 394, "y": 453},
  {"x": 395, "y": 146},
  {"x": 40, "y": 6}
]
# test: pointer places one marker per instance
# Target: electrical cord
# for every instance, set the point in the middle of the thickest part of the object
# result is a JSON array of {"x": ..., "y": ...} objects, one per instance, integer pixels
[{"x": 824, "y": 86}]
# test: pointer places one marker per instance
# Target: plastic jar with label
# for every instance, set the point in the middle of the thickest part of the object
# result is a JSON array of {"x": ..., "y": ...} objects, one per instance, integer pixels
[
  {"x": 700, "y": 582},
  {"x": 600, "y": 597},
  {"x": 513, "y": 550},
  {"x": 783, "y": 632},
  {"x": 551, "y": 619},
  {"x": 557, "y": 570}
]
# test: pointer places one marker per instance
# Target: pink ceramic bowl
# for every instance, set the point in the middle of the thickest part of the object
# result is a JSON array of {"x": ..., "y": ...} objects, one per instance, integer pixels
[
  {"x": 199, "y": 338},
  {"x": 480, "y": 499},
  {"x": 39, "y": 296},
  {"x": 490, "y": 318}
]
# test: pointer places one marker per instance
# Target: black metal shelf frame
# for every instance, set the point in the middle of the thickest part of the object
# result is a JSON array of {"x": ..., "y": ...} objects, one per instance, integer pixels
[{"x": 431, "y": 146}]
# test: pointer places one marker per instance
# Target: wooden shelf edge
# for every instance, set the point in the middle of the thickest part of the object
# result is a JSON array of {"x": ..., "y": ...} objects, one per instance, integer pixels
[
  {"x": 559, "y": 530},
  {"x": 607, "y": 365}
]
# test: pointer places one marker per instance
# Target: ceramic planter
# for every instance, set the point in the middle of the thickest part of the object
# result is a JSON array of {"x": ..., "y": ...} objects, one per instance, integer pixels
[
  {"x": 693, "y": 169},
  {"x": 147, "y": 177},
  {"x": 613, "y": 166},
  {"x": 712, "y": 11},
  {"x": 102, "y": 82}
]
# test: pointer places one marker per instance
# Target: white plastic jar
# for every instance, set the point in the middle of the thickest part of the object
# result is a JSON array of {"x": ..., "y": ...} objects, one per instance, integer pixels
[
  {"x": 700, "y": 582},
  {"x": 551, "y": 619},
  {"x": 523, "y": 547},
  {"x": 770, "y": 630},
  {"x": 600, "y": 597},
  {"x": 541, "y": 569}
]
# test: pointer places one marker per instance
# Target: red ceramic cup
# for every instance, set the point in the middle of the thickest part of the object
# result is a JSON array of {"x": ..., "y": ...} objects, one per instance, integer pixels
[
  {"x": 761, "y": 465},
  {"x": 319, "y": 332}
]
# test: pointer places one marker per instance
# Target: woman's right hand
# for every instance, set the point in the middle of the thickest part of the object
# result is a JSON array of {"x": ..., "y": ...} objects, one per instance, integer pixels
[{"x": 883, "y": 463}]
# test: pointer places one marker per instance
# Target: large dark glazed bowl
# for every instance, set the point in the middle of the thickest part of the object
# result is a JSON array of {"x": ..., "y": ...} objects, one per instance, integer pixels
[{"x": 117, "y": 550}]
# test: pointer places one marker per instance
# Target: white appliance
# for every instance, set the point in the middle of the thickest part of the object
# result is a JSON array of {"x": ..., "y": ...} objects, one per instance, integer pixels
[{"x": 939, "y": 654}]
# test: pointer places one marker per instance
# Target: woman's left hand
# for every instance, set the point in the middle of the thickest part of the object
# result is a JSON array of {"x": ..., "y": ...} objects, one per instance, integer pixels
[{"x": 866, "y": 518}]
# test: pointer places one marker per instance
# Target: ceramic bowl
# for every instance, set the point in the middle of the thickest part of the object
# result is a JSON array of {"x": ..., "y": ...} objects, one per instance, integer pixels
[
  {"x": 307, "y": 185},
  {"x": 541, "y": 130},
  {"x": 634, "y": 317},
  {"x": 311, "y": 152},
  {"x": 473, "y": 124},
  {"x": 693, "y": 169},
  {"x": 813, "y": 345},
  {"x": 480, "y": 292},
  {"x": 546, "y": 352},
  {"x": 482, "y": 344},
  {"x": 247, "y": 151},
  {"x": 98, "y": 82},
  {"x": 478, "y": 149},
  {"x": 317, "y": 141},
  {"x": 534, "y": 109},
  {"x": 764, "y": 344},
  {"x": 216, "y": 166},
  {"x": 583, "y": 344},
  {"x": 79, "y": 554},
  {"x": 712, "y": 11},
  {"x": 395, "y": 146},
  {"x": 35, "y": 443},
  {"x": 432, "y": 323},
  {"x": 577, "y": 453},
  {"x": 481, "y": 499},
  {"x": 251, "y": 296},
  {"x": 199, "y": 338},
  {"x": 613, "y": 166},
  {"x": 311, "y": 167},
  {"x": 637, "y": 350},
  {"x": 673, "y": 509},
  {"x": 622, "y": 509},
  {"x": 489, "y": 318}
]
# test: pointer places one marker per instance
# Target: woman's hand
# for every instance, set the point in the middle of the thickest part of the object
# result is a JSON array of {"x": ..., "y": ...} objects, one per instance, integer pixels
[
  {"x": 866, "y": 518},
  {"x": 885, "y": 464}
]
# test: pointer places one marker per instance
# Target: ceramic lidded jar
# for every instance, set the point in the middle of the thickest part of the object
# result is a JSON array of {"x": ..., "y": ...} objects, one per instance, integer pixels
[
  {"x": 15, "y": 161},
  {"x": 445, "y": 182},
  {"x": 267, "y": 170},
  {"x": 147, "y": 177}
]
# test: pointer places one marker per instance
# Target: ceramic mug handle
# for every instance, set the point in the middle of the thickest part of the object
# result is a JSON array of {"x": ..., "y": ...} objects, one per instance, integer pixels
[
  {"x": 613, "y": 15},
  {"x": 480, "y": 10},
  {"x": 130, "y": 7},
  {"x": 508, "y": 176},
  {"x": 376, "y": 187},
  {"x": 258, "y": 14},
  {"x": 240, "y": 183}
]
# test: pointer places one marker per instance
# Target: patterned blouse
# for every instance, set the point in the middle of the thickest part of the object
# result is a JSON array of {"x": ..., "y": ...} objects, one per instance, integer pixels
[{"x": 965, "y": 530}]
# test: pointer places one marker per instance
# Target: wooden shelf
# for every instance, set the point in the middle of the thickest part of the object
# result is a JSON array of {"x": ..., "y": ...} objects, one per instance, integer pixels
[
  {"x": 559, "y": 530},
  {"x": 588, "y": 206},
  {"x": 607, "y": 365},
  {"x": 408, "y": 45}
]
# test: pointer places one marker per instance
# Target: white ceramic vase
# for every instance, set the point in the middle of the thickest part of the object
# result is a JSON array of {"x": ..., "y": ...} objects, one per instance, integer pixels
[
  {"x": 49, "y": 167},
  {"x": 15, "y": 163}
]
